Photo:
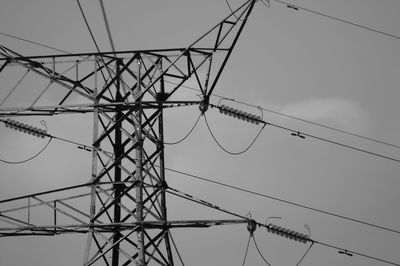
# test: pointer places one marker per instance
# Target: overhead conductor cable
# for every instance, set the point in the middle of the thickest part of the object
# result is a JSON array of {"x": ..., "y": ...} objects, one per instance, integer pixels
[{"x": 235, "y": 113}]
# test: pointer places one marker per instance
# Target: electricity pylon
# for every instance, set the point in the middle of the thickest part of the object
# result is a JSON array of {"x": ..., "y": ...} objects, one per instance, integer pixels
[{"x": 127, "y": 92}]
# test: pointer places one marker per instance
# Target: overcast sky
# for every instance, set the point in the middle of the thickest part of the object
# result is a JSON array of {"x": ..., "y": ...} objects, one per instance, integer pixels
[{"x": 288, "y": 61}]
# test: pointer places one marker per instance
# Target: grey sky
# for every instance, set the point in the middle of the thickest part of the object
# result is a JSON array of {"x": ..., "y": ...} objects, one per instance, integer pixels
[{"x": 286, "y": 60}]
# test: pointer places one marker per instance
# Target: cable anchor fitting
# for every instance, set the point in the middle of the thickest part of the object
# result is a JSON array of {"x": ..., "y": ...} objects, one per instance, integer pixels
[
  {"x": 251, "y": 226},
  {"x": 204, "y": 104}
]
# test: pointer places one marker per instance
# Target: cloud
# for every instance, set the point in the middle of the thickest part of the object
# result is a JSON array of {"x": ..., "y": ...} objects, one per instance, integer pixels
[{"x": 333, "y": 111}]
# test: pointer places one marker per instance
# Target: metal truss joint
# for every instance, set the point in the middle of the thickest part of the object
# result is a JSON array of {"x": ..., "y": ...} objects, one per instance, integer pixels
[
  {"x": 162, "y": 96},
  {"x": 162, "y": 184}
]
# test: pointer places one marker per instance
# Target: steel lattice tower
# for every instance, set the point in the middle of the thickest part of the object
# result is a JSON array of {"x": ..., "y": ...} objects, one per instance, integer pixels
[{"x": 127, "y": 92}]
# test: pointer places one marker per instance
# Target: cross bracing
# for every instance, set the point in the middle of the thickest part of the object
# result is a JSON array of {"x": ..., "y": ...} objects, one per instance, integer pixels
[{"x": 125, "y": 216}]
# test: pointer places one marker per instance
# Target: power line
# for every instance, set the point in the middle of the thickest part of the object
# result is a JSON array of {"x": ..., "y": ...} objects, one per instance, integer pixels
[
  {"x": 265, "y": 109},
  {"x": 233, "y": 13},
  {"x": 346, "y": 132},
  {"x": 247, "y": 250},
  {"x": 29, "y": 159},
  {"x": 285, "y": 201},
  {"x": 176, "y": 248},
  {"x": 236, "y": 188},
  {"x": 268, "y": 110},
  {"x": 297, "y": 7},
  {"x": 32, "y": 42},
  {"x": 94, "y": 41},
  {"x": 207, "y": 204},
  {"x": 187, "y": 135},
  {"x": 212, "y": 206},
  {"x": 232, "y": 187},
  {"x": 88, "y": 26},
  {"x": 45, "y": 134},
  {"x": 341, "y": 250},
  {"x": 186, "y": 196},
  {"x": 259, "y": 251},
  {"x": 355, "y": 253},
  {"x": 329, "y": 127},
  {"x": 15, "y": 87},
  {"x": 305, "y": 254},
  {"x": 303, "y": 135},
  {"x": 103, "y": 10},
  {"x": 223, "y": 148}
]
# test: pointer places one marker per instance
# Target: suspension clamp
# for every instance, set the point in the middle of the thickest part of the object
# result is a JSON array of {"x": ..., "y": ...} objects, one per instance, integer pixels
[
  {"x": 204, "y": 106},
  {"x": 251, "y": 226}
]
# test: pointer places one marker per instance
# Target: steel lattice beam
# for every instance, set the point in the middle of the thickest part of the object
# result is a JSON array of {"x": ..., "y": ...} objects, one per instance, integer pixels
[{"x": 127, "y": 92}]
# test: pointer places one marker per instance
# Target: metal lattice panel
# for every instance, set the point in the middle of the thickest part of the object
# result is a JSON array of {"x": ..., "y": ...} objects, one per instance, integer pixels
[{"x": 127, "y": 92}]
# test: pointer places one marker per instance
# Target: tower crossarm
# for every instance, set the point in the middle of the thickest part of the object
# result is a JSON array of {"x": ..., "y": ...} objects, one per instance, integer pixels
[{"x": 127, "y": 92}]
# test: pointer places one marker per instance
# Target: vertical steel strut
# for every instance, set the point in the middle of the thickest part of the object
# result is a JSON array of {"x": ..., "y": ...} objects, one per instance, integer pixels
[{"x": 127, "y": 221}]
